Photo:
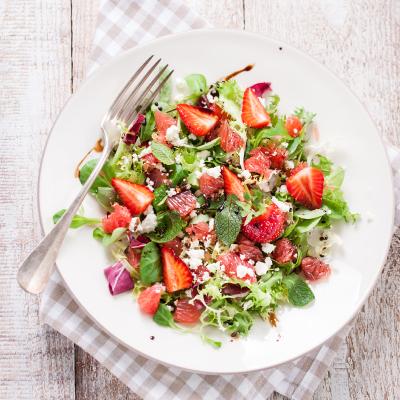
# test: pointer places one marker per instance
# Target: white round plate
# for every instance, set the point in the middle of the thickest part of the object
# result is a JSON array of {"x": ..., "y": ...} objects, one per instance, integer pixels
[{"x": 342, "y": 120}]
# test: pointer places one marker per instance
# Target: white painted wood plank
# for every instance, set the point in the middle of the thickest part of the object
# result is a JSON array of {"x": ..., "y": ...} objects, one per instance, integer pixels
[{"x": 35, "y": 362}]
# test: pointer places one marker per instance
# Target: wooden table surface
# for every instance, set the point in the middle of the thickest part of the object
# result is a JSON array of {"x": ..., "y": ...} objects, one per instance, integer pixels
[{"x": 44, "y": 47}]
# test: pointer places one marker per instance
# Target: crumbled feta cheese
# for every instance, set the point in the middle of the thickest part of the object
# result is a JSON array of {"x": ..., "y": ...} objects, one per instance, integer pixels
[
  {"x": 149, "y": 223},
  {"x": 172, "y": 136},
  {"x": 289, "y": 164},
  {"x": 241, "y": 271},
  {"x": 285, "y": 207},
  {"x": 210, "y": 98},
  {"x": 125, "y": 160},
  {"x": 150, "y": 184},
  {"x": 247, "y": 304},
  {"x": 171, "y": 192},
  {"x": 201, "y": 162},
  {"x": 242, "y": 257},
  {"x": 205, "y": 277},
  {"x": 213, "y": 267},
  {"x": 268, "y": 248},
  {"x": 195, "y": 257},
  {"x": 133, "y": 225},
  {"x": 192, "y": 137},
  {"x": 245, "y": 174},
  {"x": 282, "y": 189},
  {"x": 266, "y": 185},
  {"x": 178, "y": 158},
  {"x": 285, "y": 144},
  {"x": 214, "y": 172},
  {"x": 211, "y": 224},
  {"x": 193, "y": 214},
  {"x": 135, "y": 157},
  {"x": 149, "y": 210},
  {"x": 262, "y": 267}
]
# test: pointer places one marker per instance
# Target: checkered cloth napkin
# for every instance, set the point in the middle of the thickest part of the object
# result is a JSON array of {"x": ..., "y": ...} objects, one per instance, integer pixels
[{"x": 123, "y": 24}]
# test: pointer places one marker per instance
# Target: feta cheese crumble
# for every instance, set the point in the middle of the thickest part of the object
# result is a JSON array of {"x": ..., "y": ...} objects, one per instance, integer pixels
[
  {"x": 172, "y": 136},
  {"x": 262, "y": 267},
  {"x": 267, "y": 248},
  {"x": 285, "y": 207}
]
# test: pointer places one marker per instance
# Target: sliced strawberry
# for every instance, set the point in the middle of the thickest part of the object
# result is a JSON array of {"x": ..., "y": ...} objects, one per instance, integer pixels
[
  {"x": 149, "y": 299},
  {"x": 250, "y": 252},
  {"x": 217, "y": 110},
  {"x": 254, "y": 114},
  {"x": 266, "y": 227},
  {"x": 276, "y": 154},
  {"x": 176, "y": 273},
  {"x": 293, "y": 125},
  {"x": 119, "y": 218},
  {"x": 210, "y": 185},
  {"x": 314, "y": 269},
  {"x": 306, "y": 187},
  {"x": 175, "y": 245},
  {"x": 133, "y": 256},
  {"x": 163, "y": 122},
  {"x": 186, "y": 313},
  {"x": 285, "y": 251},
  {"x": 237, "y": 268},
  {"x": 298, "y": 168},
  {"x": 230, "y": 139},
  {"x": 258, "y": 163},
  {"x": 184, "y": 203},
  {"x": 136, "y": 197},
  {"x": 232, "y": 184},
  {"x": 198, "y": 120}
]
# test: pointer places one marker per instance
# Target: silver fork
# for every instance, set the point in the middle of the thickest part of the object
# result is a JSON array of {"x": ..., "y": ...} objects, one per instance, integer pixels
[{"x": 34, "y": 273}]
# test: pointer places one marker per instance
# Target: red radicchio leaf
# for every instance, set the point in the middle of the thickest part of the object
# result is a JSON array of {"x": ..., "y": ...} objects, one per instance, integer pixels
[
  {"x": 130, "y": 137},
  {"x": 260, "y": 88},
  {"x": 230, "y": 289},
  {"x": 119, "y": 279},
  {"x": 139, "y": 242}
]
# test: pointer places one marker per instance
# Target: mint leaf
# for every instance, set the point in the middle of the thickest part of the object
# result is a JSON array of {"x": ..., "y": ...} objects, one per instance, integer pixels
[
  {"x": 164, "y": 317},
  {"x": 170, "y": 224},
  {"x": 299, "y": 293},
  {"x": 77, "y": 220},
  {"x": 228, "y": 221},
  {"x": 163, "y": 153},
  {"x": 150, "y": 264}
]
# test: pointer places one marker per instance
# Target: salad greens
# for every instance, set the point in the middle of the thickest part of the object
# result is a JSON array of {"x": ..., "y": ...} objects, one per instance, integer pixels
[{"x": 217, "y": 208}]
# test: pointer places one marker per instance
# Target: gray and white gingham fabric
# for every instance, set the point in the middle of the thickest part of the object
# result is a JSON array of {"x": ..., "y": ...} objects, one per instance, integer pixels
[{"x": 123, "y": 24}]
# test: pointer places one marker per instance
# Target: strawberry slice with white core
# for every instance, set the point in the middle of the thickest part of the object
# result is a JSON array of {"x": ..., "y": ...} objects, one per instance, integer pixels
[
  {"x": 232, "y": 184},
  {"x": 254, "y": 114},
  {"x": 136, "y": 197},
  {"x": 306, "y": 186},
  {"x": 198, "y": 120},
  {"x": 176, "y": 273}
]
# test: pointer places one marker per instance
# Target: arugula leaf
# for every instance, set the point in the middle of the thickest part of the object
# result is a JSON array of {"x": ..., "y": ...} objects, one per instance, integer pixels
[
  {"x": 335, "y": 179},
  {"x": 150, "y": 264},
  {"x": 104, "y": 178},
  {"x": 164, "y": 317},
  {"x": 106, "y": 197},
  {"x": 324, "y": 164},
  {"x": 163, "y": 153},
  {"x": 334, "y": 200},
  {"x": 299, "y": 293},
  {"x": 106, "y": 238},
  {"x": 294, "y": 145},
  {"x": 228, "y": 221},
  {"x": 267, "y": 133},
  {"x": 170, "y": 224},
  {"x": 147, "y": 130},
  {"x": 307, "y": 225},
  {"x": 160, "y": 195},
  {"x": 77, "y": 220},
  {"x": 178, "y": 174},
  {"x": 197, "y": 85}
]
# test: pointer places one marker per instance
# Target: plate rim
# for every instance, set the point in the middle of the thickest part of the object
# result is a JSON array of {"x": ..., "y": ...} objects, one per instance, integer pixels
[{"x": 303, "y": 54}]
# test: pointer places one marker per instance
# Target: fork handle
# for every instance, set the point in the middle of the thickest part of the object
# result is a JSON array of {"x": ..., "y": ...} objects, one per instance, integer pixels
[{"x": 34, "y": 273}]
